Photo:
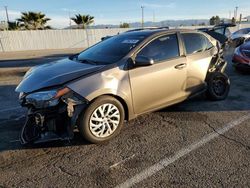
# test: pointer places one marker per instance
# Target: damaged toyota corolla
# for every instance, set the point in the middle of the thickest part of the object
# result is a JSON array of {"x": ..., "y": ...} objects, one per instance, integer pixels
[{"x": 118, "y": 79}]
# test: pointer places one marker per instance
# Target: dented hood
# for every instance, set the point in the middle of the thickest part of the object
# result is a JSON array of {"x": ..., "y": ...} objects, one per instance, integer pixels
[{"x": 54, "y": 74}]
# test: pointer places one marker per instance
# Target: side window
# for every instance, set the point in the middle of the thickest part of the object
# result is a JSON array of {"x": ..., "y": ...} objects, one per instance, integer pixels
[
  {"x": 227, "y": 32},
  {"x": 195, "y": 42},
  {"x": 163, "y": 48}
]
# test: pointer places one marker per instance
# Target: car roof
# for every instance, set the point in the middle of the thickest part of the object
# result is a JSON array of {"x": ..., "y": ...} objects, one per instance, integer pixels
[
  {"x": 247, "y": 28},
  {"x": 150, "y": 32},
  {"x": 225, "y": 25}
]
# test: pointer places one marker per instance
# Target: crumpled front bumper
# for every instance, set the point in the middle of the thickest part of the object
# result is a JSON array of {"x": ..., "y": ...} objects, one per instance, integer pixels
[{"x": 53, "y": 123}]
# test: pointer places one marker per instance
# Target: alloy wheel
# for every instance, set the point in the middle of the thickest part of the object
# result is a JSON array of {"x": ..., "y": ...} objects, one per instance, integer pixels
[
  {"x": 104, "y": 120},
  {"x": 219, "y": 86}
]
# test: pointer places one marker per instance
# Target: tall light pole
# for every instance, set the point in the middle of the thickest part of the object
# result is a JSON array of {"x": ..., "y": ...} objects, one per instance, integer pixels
[
  {"x": 142, "y": 16},
  {"x": 236, "y": 13},
  {"x": 7, "y": 16}
]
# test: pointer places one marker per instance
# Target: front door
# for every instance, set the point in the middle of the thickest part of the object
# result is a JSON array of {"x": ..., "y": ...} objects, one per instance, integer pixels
[{"x": 162, "y": 83}]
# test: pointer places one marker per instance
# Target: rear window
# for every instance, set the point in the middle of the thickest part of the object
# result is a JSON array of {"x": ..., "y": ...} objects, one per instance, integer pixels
[{"x": 196, "y": 42}]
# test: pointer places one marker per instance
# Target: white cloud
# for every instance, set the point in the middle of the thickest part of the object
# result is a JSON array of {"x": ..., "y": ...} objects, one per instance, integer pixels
[
  {"x": 68, "y": 10},
  {"x": 12, "y": 15},
  {"x": 156, "y": 6},
  {"x": 59, "y": 21}
]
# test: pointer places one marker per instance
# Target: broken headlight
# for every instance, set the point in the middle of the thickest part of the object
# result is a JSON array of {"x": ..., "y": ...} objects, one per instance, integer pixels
[{"x": 44, "y": 99}]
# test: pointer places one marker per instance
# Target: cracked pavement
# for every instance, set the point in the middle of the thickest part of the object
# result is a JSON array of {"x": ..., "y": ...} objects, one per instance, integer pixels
[{"x": 222, "y": 162}]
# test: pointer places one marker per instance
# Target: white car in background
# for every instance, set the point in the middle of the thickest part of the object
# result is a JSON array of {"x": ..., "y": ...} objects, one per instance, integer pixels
[{"x": 241, "y": 36}]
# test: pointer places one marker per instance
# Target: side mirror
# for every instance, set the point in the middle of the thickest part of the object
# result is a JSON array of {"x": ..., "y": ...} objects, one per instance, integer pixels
[{"x": 143, "y": 61}]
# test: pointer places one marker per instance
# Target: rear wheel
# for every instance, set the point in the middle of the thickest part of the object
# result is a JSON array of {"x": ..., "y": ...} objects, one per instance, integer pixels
[
  {"x": 102, "y": 120},
  {"x": 218, "y": 86}
]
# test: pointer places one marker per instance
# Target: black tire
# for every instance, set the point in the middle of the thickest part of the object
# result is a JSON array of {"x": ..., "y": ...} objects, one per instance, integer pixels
[
  {"x": 84, "y": 123},
  {"x": 218, "y": 86}
]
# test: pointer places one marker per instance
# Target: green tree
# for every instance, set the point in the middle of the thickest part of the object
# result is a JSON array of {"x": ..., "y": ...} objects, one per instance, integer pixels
[
  {"x": 83, "y": 20},
  {"x": 215, "y": 20},
  {"x": 202, "y": 24},
  {"x": 233, "y": 20},
  {"x": 124, "y": 25},
  {"x": 33, "y": 21}
]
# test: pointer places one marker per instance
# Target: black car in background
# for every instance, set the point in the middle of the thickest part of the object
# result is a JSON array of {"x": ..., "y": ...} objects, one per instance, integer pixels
[{"x": 220, "y": 32}]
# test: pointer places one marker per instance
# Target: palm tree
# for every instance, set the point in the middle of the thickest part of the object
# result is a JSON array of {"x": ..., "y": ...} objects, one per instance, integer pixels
[
  {"x": 83, "y": 20},
  {"x": 33, "y": 21},
  {"x": 14, "y": 25}
]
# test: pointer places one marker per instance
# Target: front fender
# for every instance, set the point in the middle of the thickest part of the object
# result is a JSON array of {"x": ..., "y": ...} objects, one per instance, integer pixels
[{"x": 114, "y": 81}]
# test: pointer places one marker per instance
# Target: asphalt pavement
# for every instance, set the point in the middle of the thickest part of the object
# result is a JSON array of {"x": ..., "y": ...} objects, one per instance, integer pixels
[{"x": 198, "y": 143}]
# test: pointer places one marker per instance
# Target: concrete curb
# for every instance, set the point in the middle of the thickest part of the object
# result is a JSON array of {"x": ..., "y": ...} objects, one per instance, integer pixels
[{"x": 5, "y": 72}]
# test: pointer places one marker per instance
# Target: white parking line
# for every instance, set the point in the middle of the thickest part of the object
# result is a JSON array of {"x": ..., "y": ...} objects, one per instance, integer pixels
[
  {"x": 9, "y": 109},
  {"x": 183, "y": 152}
]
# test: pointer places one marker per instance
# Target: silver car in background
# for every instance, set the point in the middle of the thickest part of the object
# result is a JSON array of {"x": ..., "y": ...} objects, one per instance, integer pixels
[{"x": 241, "y": 36}]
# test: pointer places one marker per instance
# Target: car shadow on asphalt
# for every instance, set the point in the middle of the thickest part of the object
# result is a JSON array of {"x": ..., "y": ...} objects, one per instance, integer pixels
[{"x": 10, "y": 132}]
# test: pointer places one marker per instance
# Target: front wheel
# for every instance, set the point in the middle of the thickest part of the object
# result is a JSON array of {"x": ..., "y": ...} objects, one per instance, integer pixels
[
  {"x": 218, "y": 86},
  {"x": 102, "y": 120}
]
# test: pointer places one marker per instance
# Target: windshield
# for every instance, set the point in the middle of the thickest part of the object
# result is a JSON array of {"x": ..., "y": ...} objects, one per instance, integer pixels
[{"x": 110, "y": 50}]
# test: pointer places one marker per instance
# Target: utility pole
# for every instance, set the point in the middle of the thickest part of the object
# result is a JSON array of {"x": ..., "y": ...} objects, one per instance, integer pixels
[
  {"x": 142, "y": 16},
  {"x": 240, "y": 19},
  {"x": 7, "y": 16},
  {"x": 236, "y": 13}
]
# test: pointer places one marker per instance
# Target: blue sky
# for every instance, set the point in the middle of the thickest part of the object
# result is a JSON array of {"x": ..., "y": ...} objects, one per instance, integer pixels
[{"x": 116, "y": 11}]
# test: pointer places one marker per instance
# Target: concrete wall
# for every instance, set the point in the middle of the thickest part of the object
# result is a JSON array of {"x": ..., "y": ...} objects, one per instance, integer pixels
[
  {"x": 52, "y": 39},
  {"x": 61, "y": 39}
]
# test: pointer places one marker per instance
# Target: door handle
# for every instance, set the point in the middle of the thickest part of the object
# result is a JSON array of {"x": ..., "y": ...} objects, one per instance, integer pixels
[{"x": 181, "y": 66}]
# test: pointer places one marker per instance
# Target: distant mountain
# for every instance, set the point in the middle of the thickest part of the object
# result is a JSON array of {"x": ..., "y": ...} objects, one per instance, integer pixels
[{"x": 170, "y": 23}]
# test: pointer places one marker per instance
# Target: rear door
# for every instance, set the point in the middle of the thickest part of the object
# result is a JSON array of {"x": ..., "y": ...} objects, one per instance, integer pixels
[
  {"x": 199, "y": 52},
  {"x": 162, "y": 83}
]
